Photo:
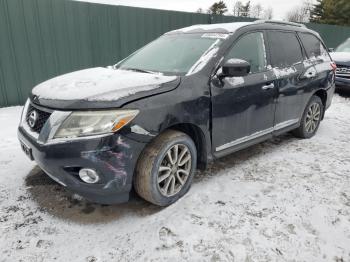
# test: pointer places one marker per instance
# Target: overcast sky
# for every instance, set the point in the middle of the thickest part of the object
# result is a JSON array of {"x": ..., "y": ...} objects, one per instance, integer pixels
[{"x": 280, "y": 7}]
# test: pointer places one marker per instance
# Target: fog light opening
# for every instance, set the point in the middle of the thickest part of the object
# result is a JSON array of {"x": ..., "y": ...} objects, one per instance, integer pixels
[{"x": 89, "y": 176}]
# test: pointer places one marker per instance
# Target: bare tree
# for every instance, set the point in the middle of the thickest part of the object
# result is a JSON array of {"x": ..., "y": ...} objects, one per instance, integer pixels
[
  {"x": 256, "y": 11},
  {"x": 268, "y": 13},
  {"x": 245, "y": 9},
  {"x": 237, "y": 8},
  {"x": 300, "y": 14},
  {"x": 200, "y": 11}
]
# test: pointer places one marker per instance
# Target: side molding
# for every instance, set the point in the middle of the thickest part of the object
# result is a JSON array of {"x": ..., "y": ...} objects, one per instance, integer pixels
[{"x": 257, "y": 134}]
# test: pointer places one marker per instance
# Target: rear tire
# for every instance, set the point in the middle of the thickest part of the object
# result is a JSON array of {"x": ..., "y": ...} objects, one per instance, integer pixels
[
  {"x": 311, "y": 119},
  {"x": 166, "y": 167}
]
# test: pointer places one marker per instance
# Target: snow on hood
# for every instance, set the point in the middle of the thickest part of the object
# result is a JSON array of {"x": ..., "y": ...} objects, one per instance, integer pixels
[
  {"x": 340, "y": 56},
  {"x": 99, "y": 84}
]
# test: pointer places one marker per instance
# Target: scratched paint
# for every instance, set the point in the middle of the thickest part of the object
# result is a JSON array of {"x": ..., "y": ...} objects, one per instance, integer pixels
[{"x": 114, "y": 159}]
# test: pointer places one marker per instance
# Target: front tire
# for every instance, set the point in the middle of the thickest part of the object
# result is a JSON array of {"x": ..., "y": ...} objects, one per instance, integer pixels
[
  {"x": 311, "y": 119},
  {"x": 166, "y": 168}
]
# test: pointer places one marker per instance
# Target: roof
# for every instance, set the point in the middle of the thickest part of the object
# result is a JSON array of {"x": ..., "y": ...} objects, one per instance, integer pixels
[
  {"x": 217, "y": 28},
  {"x": 232, "y": 27}
]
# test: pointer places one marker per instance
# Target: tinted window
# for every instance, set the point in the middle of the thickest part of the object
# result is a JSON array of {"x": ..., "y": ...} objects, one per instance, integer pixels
[
  {"x": 250, "y": 48},
  {"x": 313, "y": 46},
  {"x": 285, "y": 49}
]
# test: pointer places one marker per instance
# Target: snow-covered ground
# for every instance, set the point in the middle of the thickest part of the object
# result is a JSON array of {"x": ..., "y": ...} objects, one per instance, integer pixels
[{"x": 282, "y": 200}]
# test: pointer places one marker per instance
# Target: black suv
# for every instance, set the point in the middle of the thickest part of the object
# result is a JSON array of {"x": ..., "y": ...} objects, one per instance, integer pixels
[{"x": 191, "y": 96}]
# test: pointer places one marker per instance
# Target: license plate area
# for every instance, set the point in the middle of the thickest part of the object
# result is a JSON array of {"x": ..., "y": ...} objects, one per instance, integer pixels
[{"x": 27, "y": 150}]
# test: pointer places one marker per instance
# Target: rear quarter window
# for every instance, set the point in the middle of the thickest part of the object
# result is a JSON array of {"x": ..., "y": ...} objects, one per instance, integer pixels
[
  {"x": 314, "y": 47},
  {"x": 285, "y": 49}
]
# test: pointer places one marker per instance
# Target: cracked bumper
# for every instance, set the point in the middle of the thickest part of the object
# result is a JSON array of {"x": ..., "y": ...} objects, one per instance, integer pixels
[{"x": 113, "y": 157}]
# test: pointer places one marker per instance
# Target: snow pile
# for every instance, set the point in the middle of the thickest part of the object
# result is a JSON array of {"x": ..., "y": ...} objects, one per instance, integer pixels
[
  {"x": 236, "y": 61},
  {"x": 235, "y": 81},
  {"x": 99, "y": 84},
  {"x": 323, "y": 66},
  {"x": 215, "y": 35},
  {"x": 286, "y": 199},
  {"x": 284, "y": 72},
  {"x": 223, "y": 27}
]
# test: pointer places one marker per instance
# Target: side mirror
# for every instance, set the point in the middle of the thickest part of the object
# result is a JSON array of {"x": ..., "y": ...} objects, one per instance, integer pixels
[
  {"x": 331, "y": 49},
  {"x": 234, "y": 68}
]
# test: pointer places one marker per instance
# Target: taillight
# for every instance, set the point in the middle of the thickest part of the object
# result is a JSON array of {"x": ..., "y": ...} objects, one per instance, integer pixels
[{"x": 334, "y": 66}]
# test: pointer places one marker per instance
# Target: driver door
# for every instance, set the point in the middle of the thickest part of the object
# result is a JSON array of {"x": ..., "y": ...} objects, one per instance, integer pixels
[{"x": 243, "y": 108}]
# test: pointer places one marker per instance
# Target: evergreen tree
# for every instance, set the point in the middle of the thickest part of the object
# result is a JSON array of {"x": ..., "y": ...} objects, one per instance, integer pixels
[
  {"x": 317, "y": 13},
  {"x": 218, "y": 8},
  {"x": 336, "y": 12},
  {"x": 343, "y": 12}
]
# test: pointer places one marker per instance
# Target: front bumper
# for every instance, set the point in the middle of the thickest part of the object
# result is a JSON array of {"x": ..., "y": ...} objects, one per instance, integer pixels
[
  {"x": 342, "y": 82},
  {"x": 113, "y": 157}
]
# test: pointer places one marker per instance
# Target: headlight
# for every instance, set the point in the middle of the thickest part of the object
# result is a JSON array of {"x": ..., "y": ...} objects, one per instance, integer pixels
[{"x": 89, "y": 123}]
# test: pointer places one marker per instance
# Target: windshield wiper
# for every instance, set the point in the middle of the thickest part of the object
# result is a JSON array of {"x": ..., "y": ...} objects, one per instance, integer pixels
[{"x": 139, "y": 70}]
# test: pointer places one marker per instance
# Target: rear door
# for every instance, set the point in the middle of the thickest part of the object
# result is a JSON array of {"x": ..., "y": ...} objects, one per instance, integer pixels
[
  {"x": 293, "y": 76},
  {"x": 243, "y": 107},
  {"x": 318, "y": 56}
]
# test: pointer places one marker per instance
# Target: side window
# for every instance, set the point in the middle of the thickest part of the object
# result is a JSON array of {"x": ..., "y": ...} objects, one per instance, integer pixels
[
  {"x": 285, "y": 49},
  {"x": 313, "y": 46},
  {"x": 250, "y": 48}
]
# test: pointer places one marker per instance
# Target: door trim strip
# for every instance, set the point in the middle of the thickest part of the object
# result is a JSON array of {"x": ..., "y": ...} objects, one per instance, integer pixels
[
  {"x": 257, "y": 134},
  {"x": 285, "y": 124}
]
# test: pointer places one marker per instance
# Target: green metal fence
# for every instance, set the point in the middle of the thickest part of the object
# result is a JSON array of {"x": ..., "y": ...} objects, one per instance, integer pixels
[
  {"x": 40, "y": 39},
  {"x": 333, "y": 35}
]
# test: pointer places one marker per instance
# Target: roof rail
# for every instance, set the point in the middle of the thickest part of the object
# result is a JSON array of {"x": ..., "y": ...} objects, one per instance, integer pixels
[{"x": 279, "y": 23}]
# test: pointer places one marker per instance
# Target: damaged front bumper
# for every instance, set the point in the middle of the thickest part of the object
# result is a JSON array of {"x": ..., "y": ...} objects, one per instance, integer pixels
[{"x": 113, "y": 157}]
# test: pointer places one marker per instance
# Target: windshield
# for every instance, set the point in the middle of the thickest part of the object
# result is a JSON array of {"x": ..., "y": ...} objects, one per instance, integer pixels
[
  {"x": 174, "y": 54},
  {"x": 344, "y": 47}
]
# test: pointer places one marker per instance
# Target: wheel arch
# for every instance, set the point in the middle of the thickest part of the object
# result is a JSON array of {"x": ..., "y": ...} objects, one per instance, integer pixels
[
  {"x": 199, "y": 139},
  {"x": 322, "y": 94}
]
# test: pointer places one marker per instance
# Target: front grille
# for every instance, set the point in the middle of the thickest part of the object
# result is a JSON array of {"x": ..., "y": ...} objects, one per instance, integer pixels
[
  {"x": 343, "y": 71},
  {"x": 40, "y": 119}
]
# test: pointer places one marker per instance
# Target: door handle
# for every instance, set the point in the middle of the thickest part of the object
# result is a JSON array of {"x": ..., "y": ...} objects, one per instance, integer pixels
[
  {"x": 310, "y": 74},
  {"x": 267, "y": 87}
]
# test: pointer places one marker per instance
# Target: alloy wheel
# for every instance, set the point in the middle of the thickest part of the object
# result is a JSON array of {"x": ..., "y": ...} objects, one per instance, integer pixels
[
  {"x": 313, "y": 117},
  {"x": 174, "y": 170}
]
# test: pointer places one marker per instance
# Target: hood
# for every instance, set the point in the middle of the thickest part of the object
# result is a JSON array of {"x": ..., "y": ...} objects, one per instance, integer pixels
[
  {"x": 341, "y": 57},
  {"x": 100, "y": 88}
]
